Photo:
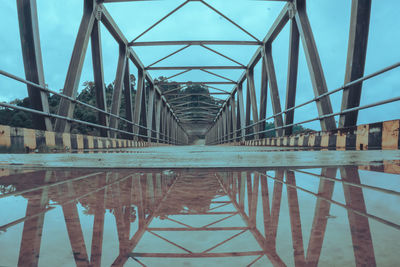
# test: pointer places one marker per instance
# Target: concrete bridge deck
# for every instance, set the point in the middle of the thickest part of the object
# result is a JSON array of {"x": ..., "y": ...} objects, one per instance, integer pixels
[{"x": 200, "y": 157}]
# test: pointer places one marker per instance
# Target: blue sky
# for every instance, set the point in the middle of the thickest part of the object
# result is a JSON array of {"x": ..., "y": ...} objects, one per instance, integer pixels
[{"x": 59, "y": 22}]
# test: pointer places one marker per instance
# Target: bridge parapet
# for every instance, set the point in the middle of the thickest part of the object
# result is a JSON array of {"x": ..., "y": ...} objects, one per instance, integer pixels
[{"x": 23, "y": 140}]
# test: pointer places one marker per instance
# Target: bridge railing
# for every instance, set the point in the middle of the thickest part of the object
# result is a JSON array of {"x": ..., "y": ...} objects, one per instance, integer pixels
[
  {"x": 235, "y": 135},
  {"x": 162, "y": 138},
  {"x": 149, "y": 118},
  {"x": 241, "y": 119}
]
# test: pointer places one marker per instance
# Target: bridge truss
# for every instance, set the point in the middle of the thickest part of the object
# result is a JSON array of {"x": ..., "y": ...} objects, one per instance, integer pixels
[{"x": 162, "y": 117}]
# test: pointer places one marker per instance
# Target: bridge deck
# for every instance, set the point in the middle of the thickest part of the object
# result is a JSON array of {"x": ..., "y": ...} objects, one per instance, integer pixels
[{"x": 200, "y": 157}]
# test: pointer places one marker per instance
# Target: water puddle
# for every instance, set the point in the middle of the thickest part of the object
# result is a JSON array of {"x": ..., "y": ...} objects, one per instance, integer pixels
[{"x": 347, "y": 216}]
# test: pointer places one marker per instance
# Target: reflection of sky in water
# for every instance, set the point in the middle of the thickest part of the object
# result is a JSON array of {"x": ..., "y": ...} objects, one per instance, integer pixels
[{"x": 131, "y": 202}]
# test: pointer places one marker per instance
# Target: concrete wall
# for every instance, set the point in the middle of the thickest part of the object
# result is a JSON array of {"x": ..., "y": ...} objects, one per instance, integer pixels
[
  {"x": 17, "y": 140},
  {"x": 381, "y": 135}
]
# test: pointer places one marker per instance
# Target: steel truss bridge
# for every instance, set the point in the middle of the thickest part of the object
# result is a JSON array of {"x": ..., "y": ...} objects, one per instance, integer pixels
[
  {"x": 159, "y": 117},
  {"x": 141, "y": 162}
]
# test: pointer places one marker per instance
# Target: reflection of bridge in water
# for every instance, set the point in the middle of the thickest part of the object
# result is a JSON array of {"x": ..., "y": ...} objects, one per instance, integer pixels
[{"x": 235, "y": 217}]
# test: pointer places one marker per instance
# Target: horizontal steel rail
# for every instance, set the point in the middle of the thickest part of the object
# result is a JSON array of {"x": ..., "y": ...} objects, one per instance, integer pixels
[
  {"x": 50, "y": 115},
  {"x": 339, "y": 89},
  {"x": 45, "y": 89}
]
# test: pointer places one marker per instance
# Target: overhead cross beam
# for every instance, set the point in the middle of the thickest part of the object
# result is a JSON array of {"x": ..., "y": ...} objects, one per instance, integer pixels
[
  {"x": 194, "y": 83},
  {"x": 201, "y": 102},
  {"x": 196, "y": 68},
  {"x": 206, "y": 108},
  {"x": 202, "y": 42},
  {"x": 188, "y": 95}
]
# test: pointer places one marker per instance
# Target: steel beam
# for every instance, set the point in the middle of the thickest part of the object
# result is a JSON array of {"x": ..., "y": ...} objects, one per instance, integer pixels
[
  {"x": 169, "y": 55},
  {"x": 185, "y": 96},
  {"x": 263, "y": 97},
  {"x": 32, "y": 56},
  {"x": 98, "y": 72},
  {"x": 160, "y": 20},
  {"x": 118, "y": 84},
  {"x": 224, "y": 124},
  {"x": 291, "y": 83},
  {"x": 314, "y": 65},
  {"x": 202, "y": 42},
  {"x": 217, "y": 75},
  {"x": 241, "y": 112},
  {"x": 158, "y": 117},
  {"x": 66, "y": 108},
  {"x": 194, "y": 112},
  {"x": 248, "y": 111},
  {"x": 229, "y": 121},
  {"x": 197, "y": 83},
  {"x": 138, "y": 100},
  {"x": 222, "y": 55},
  {"x": 274, "y": 91},
  {"x": 164, "y": 122},
  {"x": 215, "y": 88},
  {"x": 234, "y": 118},
  {"x": 128, "y": 98},
  {"x": 253, "y": 100},
  {"x": 228, "y": 19},
  {"x": 150, "y": 110},
  {"x": 356, "y": 54},
  {"x": 196, "y": 68},
  {"x": 200, "y": 102}
]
